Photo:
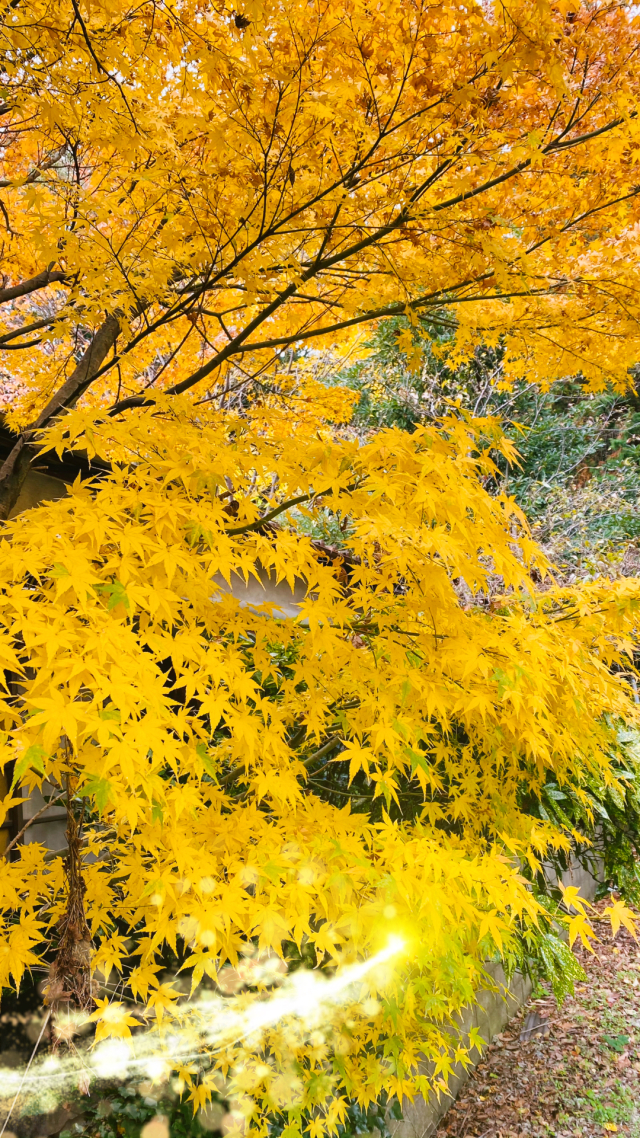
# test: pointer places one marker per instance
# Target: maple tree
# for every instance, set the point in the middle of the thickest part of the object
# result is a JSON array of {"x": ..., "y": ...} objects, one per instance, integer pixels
[
  {"x": 194, "y": 189},
  {"x": 190, "y": 194},
  {"x": 200, "y": 733}
]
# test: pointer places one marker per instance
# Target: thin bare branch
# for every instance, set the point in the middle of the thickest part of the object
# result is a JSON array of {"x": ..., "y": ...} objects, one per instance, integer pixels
[{"x": 30, "y": 821}]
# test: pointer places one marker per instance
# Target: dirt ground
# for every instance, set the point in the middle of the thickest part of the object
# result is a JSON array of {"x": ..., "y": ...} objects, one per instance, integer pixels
[{"x": 569, "y": 1071}]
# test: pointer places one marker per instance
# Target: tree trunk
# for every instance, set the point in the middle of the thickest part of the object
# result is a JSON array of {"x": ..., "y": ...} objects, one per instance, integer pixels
[
  {"x": 69, "y": 987},
  {"x": 15, "y": 468}
]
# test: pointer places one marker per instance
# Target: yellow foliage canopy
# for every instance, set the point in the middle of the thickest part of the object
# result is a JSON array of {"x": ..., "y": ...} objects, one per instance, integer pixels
[
  {"x": 225, "y": 185},
  {"x": 189, "y": 193},
  {"x": 202, "y": 733}
]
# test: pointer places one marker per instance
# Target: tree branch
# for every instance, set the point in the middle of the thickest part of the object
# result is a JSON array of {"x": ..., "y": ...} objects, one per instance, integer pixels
[
  {"x": 281, "y": 509},
  {"x": 16, "y": 466},
  {"x": 272, "y": 514},
  {"x": 25, "y": 328},
  {"x": 372, "y": 314},
  {"x": 19, "y": 347},
  {"x": 324, "y": 750},
  {"x": 41, "y": 811},
  {"x": 46, "y": 277},
  {"x": 374, "y": 238},
  {"x": 83, "y": 374},
  {"x": 99, "y": 65},
  {"x": 35, "y": 173}
]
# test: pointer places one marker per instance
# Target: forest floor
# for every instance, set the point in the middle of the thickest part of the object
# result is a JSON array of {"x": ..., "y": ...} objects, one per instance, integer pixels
[{"x": 578, "y": 1075}]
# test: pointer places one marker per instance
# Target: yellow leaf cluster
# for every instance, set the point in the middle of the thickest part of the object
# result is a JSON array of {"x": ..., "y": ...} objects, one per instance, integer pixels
[
  {"x": 213, "y": 190},
  {"x": 262, "y": 786}
]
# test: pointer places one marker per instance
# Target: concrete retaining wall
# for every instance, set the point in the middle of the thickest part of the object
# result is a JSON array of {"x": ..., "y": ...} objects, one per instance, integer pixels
[{"x": 490, "y": 1015}]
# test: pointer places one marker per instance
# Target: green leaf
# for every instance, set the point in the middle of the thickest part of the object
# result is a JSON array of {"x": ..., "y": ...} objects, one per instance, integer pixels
[
  {"x": 205, "y": 758},
  {"x": 555, "y": 794},
  {"x": 116, "y": 593},
  {"x": 100, "y": 791},
  {"x": 34, "y": 757},
  {"x": 110, "y": 713}
]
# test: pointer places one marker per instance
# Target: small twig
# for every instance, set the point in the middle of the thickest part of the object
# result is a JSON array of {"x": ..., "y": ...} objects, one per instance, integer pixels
[
  {"x": 287, "y": 506},
  {"x": 324, "y": 750},
  {"x": 34, "y": 174},
  {"x": 100, "y": 65},
  {"x": 6, "y": 219},
  {"x": 42, "y": 810},
  {"x": 464, "y": 1121},
  {"x": 268, "y": 516}
]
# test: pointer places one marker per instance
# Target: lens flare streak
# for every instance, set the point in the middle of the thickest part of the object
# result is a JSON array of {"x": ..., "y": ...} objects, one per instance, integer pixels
[{"x": 201, "y": 1027}]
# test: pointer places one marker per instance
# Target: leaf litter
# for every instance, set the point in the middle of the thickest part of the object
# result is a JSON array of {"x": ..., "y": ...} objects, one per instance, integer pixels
[{"x": 568, "y": 1072}]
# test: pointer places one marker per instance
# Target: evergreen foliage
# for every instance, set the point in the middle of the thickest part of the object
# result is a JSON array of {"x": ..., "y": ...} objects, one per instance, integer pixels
[{"x": 577, "y": 476}]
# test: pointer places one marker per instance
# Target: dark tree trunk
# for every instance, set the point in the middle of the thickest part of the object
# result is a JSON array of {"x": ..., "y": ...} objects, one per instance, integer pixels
[
  {"x": 69, "y": 985},
  {"x": 17, "y": 465}
]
